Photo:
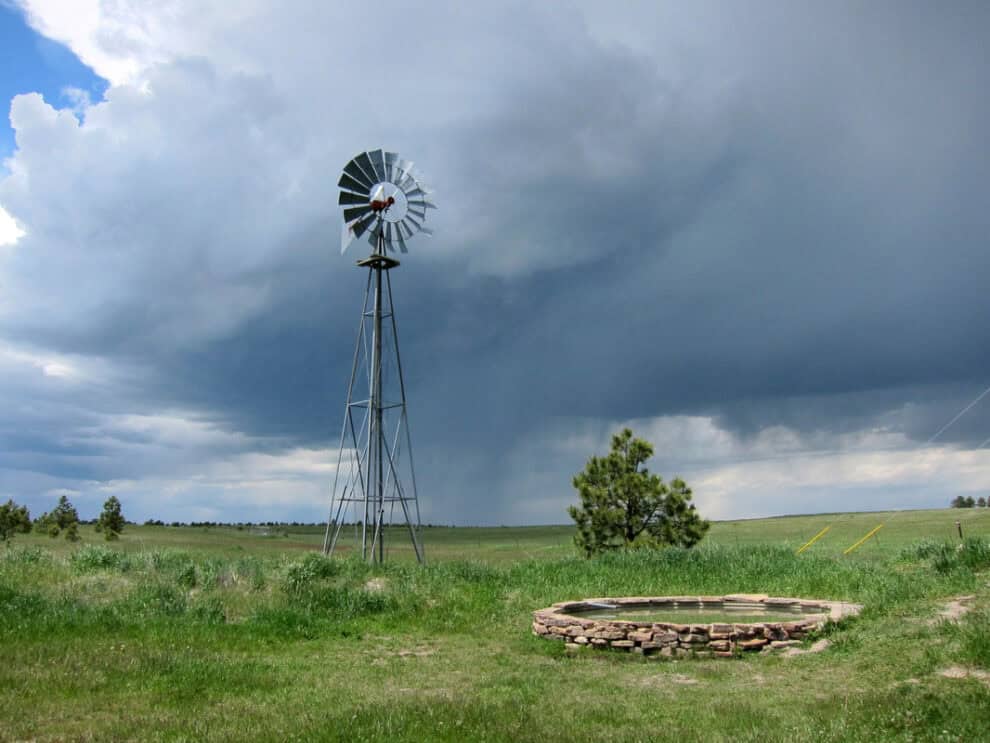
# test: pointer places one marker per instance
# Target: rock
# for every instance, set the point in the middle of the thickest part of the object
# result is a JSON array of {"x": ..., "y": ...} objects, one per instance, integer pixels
[
  {"x": 750, "y": 598},
  {"x": 719, "y": 645},
  {"x": 650, "y": 645},
  {"x": 784, "y": 643},
  {"x": 606, "y": 633},
  {"x": 666, "y": 638},
  {"x": 774, "y": 633},
  {"x": 666, "y": 651},
  {"x": 637, "y": 650},
  {"x": 754, "y": 644},
  {"x": 693, "y": 639},
  {"x": 598, "y": 641},
  {"x": 640, "y": 636},
  {"x": 552, "y": 621},
  {"x": 581, "y": 640},
  {"x": 720, "y": 629},
  {"x": 772, "y": 601},
  {"x": 622, "y": 643},
  {"x": 540, "y": 629},
  {"x": 575, "y": 630},
  {"x": 562, "y": 631},
  {"x": 679, "y": 628}
]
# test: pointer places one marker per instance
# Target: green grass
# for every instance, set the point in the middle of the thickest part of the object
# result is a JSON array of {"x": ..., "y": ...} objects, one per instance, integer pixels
[{"x": 220, "y": 634}]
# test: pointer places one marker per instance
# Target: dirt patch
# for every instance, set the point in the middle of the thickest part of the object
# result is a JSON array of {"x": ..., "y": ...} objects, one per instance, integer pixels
[
  {"x": 416, "y": 653},
  {"x": 816, "y": 647},
  {"x": 375, "y": 585},
  {"x": 953, "y": 610},
  {"x": 959, "y": 672}
]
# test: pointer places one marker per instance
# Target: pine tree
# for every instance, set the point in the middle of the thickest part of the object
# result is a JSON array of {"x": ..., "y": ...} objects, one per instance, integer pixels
[
  {"x": 13, "y": 519},
  {"x": 63, "y": 517},
  {"x": 111, "y": 521},
  {"x": 623, "y": 504}
]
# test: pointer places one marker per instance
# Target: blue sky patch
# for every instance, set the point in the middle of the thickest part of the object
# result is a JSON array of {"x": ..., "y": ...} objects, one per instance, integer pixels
[{"x": 30, "y": 63}]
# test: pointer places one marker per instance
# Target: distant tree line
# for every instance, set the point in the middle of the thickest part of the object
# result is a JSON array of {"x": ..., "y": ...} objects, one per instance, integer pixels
[
  {"x": 967, "y": 501},
  {"x": 63, "y": 520}
]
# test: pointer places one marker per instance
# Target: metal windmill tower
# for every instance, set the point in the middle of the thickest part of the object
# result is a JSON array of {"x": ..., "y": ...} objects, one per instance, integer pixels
[{"x": 382, "y": 198}]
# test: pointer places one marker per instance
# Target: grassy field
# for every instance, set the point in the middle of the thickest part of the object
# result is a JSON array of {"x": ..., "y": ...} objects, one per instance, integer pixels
[{"x": 224, "y": 634}]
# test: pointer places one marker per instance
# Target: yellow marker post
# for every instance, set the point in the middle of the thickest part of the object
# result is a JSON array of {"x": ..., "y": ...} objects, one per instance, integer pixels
[
  {"x": 814, "y": 539},
  {"x": 863, "y": 540}
]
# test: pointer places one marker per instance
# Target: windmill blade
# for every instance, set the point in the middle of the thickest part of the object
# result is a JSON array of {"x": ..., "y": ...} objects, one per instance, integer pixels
[
  {"x": 420, "y": 214},
  {"x": 354, "y": 171},
  {"x": 352, "y": 185},
  {"x": 346, "y": 197},
  {"x": 421, "y": 198},
  {"x": 416, "y": 226},
  {"x": 388, "y": 237},
  {"x": 364, "y": 162},
  {"x": 426, "y": 231},
  {"x": 403, "y": 169},
  {"x": 378, "y": 160},
  {"x": 402, "y": 243},
  {"x": 422, "y": 204},
  {"x": 353, "y": 230},
  {"x": 346, "y": 237},
  {"x": 391, "y": 160},
  {"x": 360, "y": 225},
  {"x": 356, "y": 211}
]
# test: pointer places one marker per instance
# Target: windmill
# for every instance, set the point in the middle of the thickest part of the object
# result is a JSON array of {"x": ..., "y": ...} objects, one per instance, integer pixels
[{"x": 383, "y": 199}]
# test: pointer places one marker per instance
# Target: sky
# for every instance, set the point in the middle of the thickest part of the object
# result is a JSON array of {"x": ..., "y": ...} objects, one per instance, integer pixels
[{"x": 752, "y": 232}]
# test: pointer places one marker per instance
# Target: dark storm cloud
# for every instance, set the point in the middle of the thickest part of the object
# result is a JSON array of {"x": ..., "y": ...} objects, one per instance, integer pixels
[{"x": 772, "y": 218}]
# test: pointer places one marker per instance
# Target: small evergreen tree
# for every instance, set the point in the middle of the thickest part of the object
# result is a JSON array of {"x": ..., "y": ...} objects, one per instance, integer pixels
[
  {"x": 64, "y": 517},
  {"x": 623, "y": 504},
  {"x": 111, "y": 521},
  {"x": 72, "y": 532},
  {"x": 13, "y": 519}
]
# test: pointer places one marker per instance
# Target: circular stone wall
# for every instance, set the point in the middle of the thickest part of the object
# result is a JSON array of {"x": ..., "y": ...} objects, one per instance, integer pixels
[{"x": 673, "y": 639}]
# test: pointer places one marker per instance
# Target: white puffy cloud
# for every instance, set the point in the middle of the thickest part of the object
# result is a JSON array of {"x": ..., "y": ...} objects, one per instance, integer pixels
[
  {"x": 775, "y": 471},
  {"x": 10, "y": 232}
]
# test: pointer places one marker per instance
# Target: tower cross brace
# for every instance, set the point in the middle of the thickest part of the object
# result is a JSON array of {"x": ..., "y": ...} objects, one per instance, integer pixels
[{"x": 375, "y": 442}]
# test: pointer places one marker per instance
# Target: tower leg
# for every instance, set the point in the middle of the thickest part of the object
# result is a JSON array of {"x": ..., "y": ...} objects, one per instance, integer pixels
[{"x": 373, "y": 453}]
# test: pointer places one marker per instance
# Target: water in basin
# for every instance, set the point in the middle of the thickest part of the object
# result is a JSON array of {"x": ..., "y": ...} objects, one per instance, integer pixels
[{"x": 707, "y": 612}]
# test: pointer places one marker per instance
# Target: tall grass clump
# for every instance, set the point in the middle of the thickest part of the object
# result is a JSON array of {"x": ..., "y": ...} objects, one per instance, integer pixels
[
  {"x": 972, "y": 554},
  {"x": 974, "y": 634},
  {"x": 93, "y": 557}
]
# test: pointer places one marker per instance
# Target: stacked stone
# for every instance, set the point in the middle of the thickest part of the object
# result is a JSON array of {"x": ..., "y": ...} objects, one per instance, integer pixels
[{"x": 668, "y": 639}]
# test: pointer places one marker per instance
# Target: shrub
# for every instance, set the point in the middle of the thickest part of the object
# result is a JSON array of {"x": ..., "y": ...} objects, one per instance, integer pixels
[
  {"x": 95, "y": 557},
  {"x": 301, "y": 575}
]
